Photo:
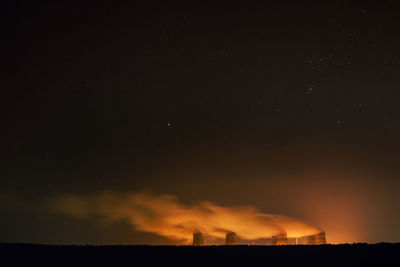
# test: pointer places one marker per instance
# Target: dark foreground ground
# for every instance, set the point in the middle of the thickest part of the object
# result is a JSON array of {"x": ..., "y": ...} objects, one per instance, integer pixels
[{"x": 383, "y": 254}]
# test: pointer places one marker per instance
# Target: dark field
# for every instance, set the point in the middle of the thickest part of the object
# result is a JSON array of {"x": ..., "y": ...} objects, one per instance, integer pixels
[{"x": 382, "y": 254}]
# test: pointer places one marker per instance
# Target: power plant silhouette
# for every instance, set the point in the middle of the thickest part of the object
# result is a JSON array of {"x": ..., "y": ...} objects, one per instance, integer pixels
[
  {"x": 280, "y": 239},
  {"x": 230, "y": 238},
  {"x": 198, "y": 239},
  {"x": 276, "y": 240}
]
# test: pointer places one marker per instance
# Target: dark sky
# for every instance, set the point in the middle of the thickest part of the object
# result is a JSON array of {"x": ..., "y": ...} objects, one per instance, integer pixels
[{"x": 289, "y": 106}]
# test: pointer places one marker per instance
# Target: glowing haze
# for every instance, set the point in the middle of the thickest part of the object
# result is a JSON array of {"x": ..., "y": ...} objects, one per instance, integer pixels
[{"x": 165, "y": 216}]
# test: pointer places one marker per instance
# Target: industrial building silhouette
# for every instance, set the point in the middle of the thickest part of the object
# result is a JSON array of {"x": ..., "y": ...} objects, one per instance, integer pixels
[{"x": 277, "y": 240}]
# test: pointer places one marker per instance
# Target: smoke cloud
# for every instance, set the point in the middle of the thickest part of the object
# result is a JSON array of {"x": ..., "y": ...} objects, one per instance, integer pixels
[{"x": 165, "y": 216}]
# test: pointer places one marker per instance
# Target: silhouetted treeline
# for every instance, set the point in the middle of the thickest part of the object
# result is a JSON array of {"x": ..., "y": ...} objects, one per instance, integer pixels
[{"x": 382, "y": 254}]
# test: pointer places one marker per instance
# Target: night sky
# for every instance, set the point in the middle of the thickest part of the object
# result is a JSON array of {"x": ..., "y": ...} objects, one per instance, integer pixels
[{"x": 288, "y": 106}]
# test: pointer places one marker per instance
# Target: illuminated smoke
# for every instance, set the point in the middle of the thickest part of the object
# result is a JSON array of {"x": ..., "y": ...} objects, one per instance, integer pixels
[{"x": 165, "y": 216}]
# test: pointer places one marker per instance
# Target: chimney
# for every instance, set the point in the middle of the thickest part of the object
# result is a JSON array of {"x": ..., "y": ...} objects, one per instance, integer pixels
[
  {"x": 198, "y": 239},
  {"x": 280, "y": 239},
  {"x": 230, "y": 238},
  {"x": 318, "y": 239}
]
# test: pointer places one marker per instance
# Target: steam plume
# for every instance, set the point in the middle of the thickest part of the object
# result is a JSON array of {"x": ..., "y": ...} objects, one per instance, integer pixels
[{"x": 165, "y": 216}]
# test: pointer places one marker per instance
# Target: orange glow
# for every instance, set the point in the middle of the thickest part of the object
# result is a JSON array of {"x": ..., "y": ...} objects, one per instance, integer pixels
[
  {"x": 342, "y": 206},
  {"x": 165, "y": 216}
]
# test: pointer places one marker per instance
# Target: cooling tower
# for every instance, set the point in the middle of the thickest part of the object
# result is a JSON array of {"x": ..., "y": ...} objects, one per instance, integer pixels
[
  {"x": 230, "y": 238},
  {"x": 318, "y": 239},
  {"x": 280, "y": 239},
  {"x": 198, "y": 239}
]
